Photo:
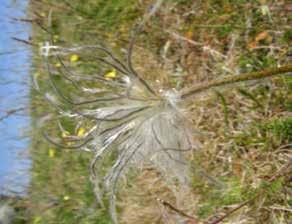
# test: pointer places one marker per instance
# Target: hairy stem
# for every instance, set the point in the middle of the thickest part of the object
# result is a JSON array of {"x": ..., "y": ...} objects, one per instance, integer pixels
[{"x": 236, "y": 78}]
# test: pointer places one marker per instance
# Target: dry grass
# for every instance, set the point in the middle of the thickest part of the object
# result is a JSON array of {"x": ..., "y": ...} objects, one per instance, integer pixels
[
  {"x": 241, "y": 145},
  {"x": 237, "y": 148},
  {"x": 140, "y": 202}
]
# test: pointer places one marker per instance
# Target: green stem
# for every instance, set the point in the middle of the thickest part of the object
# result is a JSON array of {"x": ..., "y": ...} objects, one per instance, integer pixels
[{"x": 235, "y": 79}]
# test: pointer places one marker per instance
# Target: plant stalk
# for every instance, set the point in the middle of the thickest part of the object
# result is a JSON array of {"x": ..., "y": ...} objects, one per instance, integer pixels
[{"x": 235, "y": 79}]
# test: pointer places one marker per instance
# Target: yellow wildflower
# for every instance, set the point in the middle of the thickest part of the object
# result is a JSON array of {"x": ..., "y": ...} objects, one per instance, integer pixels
[
  {"x": 110, "y": 75},
  {"x": 74, "y": 58},
  {"x": 65, "y": 134},
  {"x": 80, "y": 132},
  {"x": 58, "y": 65},
  {"x": 66, "y": 198},
  {"x": 52, "y": 153}
]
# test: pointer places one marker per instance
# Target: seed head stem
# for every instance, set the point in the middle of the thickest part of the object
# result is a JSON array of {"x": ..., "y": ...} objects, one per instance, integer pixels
[{"x": 235, "y": 79}]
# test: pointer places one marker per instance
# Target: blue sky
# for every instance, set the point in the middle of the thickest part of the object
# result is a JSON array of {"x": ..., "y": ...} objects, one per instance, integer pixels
[{"x": 14, "y": 76}]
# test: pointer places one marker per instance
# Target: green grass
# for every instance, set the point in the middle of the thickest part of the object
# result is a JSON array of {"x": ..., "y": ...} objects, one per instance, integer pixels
[
  {"x": 60, "y": 190},
  {"x": 281, "y": 127}
]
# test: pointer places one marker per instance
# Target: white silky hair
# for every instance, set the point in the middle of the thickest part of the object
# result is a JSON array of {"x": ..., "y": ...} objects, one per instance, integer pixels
[
  {"x": 140, "y": 128},
  {"x": 128, "y": 117},
  {"x": 160, "y": 136}
]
